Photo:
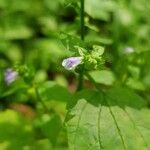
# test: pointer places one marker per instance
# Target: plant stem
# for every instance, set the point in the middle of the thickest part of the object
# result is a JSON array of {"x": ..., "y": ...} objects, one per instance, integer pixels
[
  {"x": 40, "y": 100},
  {"x": 80, "y": 81},
  {"x": 80, "y": 78},
  {"x": 82, "y": 19}
]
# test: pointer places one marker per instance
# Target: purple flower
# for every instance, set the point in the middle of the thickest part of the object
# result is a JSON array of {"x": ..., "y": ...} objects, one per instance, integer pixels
[
  {"x": 71, "y": 63},
  {"x": 128, "y": 50},
  {"x": 10, "y": 76}
]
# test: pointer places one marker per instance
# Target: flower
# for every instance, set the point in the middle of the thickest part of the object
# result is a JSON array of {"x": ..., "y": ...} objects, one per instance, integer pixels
[
  {"x": 128, "y": 50},
  {"x": 10, "y": 76},
  {"x": 71, "y": 62}
]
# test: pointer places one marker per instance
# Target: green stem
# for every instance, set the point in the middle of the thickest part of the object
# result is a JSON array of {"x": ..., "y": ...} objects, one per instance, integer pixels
[
  {"x": 40, "y": 100},
  {"x": 80, "y": 78},
  {"x": 82, "y": 19},
  {"x": 80, "y": 81}
]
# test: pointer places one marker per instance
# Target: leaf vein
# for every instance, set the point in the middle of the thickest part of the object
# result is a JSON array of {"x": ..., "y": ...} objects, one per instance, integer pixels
[
  {"x": 99, "y": 132},
  {"x": 78, "y": 122},
  {"x": 130, "y": 118},
  {"x": 117, "y": 126}
]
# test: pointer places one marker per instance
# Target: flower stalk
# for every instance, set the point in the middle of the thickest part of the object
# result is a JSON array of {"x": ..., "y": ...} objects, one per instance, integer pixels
[
  {"x": 80, "y": 78},
  {"x": 82, "y": 19},
  {"x": 38, "y": 97}
]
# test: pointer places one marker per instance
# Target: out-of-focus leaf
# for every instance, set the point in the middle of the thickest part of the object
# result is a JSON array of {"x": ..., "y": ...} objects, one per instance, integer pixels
[
  {"x": 51, "y": 127},
  {"x": 103, "y": 77},
  {"x": 118, "y": 119},
  {"x": 16, "y": 87},
  {"x": 40, "y": 76},
  {"x": 95, "y": 38},
  {"x": 52, "y": 47},
  {"x": 61, "y": 80},
  {"x": 99, "y": 9},
  {"x": 146, "y": 79},
  {"x": 98, "y": 49},
  {"x": 49, "y": 25},
  {"x": 125, "y": 17},
  {"x": 52, "y": 5},
  {"x": 43, "y": 144},
  {"x": 10, "y": 123},
  {"x": 134, "y": 71},
  {"x": 15, "y": 32},
  {"x": 71, "y": 1},
  {"x": 70, "y": 42},
  {"x": 52, "y": 91},
  {"x": 46, "y": 53},
  {"x": 135, "y": 84}
]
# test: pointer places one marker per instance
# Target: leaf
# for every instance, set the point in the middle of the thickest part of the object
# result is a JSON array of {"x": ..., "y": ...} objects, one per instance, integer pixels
[
  {"x": 116, "y": 120},
  {"x": 53, "y": 91},
  {"x": 16, "y": 132},
  {"x": 71, "y": 42},
  {"x": 71, "y": 1},
  {"x": 14, "y": 29},
  {"x": 103, "y": 77},
  {"x": 16, "y": 87},
  {"x": 51, "y": 127},
  {"x": 99, "y": 9},
  {"x": 98, "y": 49},
  {"x": 135, "y": 84}
]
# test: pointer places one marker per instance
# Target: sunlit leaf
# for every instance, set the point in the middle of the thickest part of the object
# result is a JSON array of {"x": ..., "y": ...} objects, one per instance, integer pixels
[
  {"x": 118, "y": 119},
  {"x": 103, "y": 77}
]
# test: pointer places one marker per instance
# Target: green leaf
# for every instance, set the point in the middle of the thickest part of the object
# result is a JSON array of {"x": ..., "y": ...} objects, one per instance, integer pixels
[
  {"x": 98, "y": 49},
  {"x": 14, "y": 29},
  {"x": 71, "y": 1},
  {"x": 135, "y": 84},
  {"x": 53, "y": 91},
  {"x": 15, "y": 131},
  {"x": 71, "y": 42},
  {"x": 103, "y": 77},
  {"x": 16, "y": 87},
  {"x": 51, "y": 127},
  {"x": 116, "y": 120},
  {"x": 99, "y": 9}
]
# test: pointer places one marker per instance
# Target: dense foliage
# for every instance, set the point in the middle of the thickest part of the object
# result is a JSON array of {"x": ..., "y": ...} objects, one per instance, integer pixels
[{"x": 74, "y": 74}]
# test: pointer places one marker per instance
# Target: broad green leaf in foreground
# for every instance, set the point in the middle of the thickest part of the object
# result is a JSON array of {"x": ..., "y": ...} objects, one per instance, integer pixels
[{"x": 116, "y": 120}]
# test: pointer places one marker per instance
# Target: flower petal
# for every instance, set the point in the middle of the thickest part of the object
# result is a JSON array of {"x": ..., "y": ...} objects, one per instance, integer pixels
[
  {"x": 71, "y": 62},
  {"x": 10, "y": 76}
]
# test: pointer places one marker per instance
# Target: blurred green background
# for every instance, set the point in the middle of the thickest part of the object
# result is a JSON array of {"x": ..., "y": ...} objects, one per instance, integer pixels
[{"x": 30, "y": 34}]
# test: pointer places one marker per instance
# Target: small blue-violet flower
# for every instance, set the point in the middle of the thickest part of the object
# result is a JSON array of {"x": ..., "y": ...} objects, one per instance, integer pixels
[
  {"x": 10, "y": 76},
  {"x": 71, "y": 62}
]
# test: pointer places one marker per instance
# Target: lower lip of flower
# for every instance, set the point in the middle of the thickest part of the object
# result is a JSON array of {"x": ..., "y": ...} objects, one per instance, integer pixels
[
  {"x": 10, "y": 76},
  {"x": 71, "y": 63}
]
